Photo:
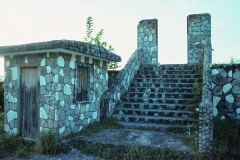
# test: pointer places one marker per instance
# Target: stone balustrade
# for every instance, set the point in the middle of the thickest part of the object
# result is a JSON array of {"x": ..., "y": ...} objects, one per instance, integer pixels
[{"x": 111, "y": 97}]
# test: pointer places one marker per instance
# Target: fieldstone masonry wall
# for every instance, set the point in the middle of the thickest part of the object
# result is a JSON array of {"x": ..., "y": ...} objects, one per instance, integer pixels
[
  {"x": 226, "y": 90},
  {"x": 198, "y": 33},
  {"x": 205, "y": 107},
  {"x": 200, "y": 52},
  {"x": 147, "y": 40},
  {"x": 112, "y": 74},
  {"x": 58, "y": 111},
  {"x": 120, "y": 86},
  {"x": 147, "y": 53}
]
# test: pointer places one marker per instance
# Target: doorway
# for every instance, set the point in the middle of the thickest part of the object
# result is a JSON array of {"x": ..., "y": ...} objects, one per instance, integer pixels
[{"x": 28, "y": 109}]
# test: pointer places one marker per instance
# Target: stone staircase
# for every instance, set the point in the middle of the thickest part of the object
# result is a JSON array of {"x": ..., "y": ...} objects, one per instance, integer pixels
[{"x": 158, "y": 96}]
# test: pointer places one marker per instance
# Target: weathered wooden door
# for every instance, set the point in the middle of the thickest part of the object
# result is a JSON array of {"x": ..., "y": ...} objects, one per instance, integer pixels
[{"x": 29, "y": 112}]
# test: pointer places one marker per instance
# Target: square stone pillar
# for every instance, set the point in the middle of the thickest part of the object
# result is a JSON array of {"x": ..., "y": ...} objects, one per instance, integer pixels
[
  {"x": 147, "y": 40},
  {"x": 200, "y": 52},
  {"x": 198, "y": 34}
]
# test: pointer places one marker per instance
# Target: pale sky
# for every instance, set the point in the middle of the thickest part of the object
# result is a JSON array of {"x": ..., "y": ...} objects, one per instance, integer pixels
[{"x": 27, "y": 21}]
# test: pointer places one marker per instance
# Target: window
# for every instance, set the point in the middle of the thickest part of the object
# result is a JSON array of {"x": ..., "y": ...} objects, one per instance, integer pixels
[{"x": 83, "y": 82}]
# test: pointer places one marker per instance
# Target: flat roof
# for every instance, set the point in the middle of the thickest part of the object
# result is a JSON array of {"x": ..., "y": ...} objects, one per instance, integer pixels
[{"x": 65, "y": 46}]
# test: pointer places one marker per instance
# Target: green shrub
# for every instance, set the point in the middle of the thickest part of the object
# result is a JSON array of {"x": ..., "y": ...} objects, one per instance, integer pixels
[
  {"x": 226, "y": 137},
  {"x": 98, "y": 40},
  {"x": 10, "y": 144},
  {"x": 48, "y": 143},
  {"x": 24, "y": 151},
  {"x": 234, "y": 60}
]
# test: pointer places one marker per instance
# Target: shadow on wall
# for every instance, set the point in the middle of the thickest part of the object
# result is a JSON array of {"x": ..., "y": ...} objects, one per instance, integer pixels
[
  {"x": 1, "y": 96},
  {"x": 112, "y": 74}
]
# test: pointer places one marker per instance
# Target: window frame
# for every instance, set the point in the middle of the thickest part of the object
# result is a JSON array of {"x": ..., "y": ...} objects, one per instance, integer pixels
[{"x": 89, "y": 71}]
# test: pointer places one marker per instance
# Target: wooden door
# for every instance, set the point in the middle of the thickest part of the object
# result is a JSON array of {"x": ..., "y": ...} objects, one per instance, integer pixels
[{"x": 29, "y": 112}]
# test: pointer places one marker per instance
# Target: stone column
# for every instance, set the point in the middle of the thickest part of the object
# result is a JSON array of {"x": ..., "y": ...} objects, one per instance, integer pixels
[
  {"x": 198, "y": 32},
  {"x": 206, "y": 106},
  {"x": 147, "y": 40},
  {"x": 200, "y": 52}
]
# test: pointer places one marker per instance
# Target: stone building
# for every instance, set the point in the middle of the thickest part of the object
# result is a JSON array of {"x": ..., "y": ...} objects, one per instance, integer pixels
[{"x": 54, "y": 85}]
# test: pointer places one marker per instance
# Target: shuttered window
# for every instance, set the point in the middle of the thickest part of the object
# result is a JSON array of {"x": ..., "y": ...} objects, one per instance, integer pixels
[{"x": 83, "y": 82}]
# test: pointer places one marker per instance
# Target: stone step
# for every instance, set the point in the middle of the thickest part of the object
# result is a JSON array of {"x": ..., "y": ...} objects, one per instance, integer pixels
[
  {"x": 145, "y": 125},
  {"x": 155, "y": 100},
  {"x": 162, "y": 90},
  {"x": 161, "y": 72},
  {"x": 158, "y": 106},
  {"x": 170, "y": 67},
  {"x": 168, "y": 76},
  {"x": 154, "y": 112},
  {"x": 164, "y": 80},
  {"x": 155, "y": 119},
  {"x": 160, "y": 95},
  {"x": 162, "y": 85}
]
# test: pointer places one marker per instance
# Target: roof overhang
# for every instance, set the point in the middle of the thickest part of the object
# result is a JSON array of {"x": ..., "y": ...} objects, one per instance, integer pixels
[
  {"x": 52, "y": 51},
  {"x": 65, "y": 46}
]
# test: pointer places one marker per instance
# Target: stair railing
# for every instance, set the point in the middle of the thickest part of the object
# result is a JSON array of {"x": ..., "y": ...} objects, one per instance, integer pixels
[{"x": 120, "y": 85}]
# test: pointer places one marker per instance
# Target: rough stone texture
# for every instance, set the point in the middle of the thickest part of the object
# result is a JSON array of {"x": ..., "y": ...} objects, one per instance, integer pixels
[
  {"x": 226, "y": 87},
  {"x": 198, "y": 34},
  {"x": 58, "y": 110},
  {"x": 111, "y": 97},
  {"x": 76, "y": 46},
  {"x": 147, "y": 40},
  {"x": 200, "y": 52},
  {"x": 145, "y": 54}
]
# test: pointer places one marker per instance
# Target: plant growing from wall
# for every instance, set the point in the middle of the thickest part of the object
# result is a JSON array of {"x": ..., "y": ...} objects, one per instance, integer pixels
[
  {"x": 234, "y": 60},
  {"x": 98, "y": 40},
  {"x": 113, "y": 65},
  {"x": 193, "y": 104}
]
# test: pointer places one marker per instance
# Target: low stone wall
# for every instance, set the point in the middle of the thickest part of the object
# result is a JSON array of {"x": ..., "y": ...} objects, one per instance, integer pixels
[
  {"x": 226, "y": 90},
  {"x": 120, "y": 86},
  {"x": 112, "y": 74}
]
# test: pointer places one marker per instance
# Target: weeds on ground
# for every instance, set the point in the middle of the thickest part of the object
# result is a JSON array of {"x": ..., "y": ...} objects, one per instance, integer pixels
[
  {"x": 226, "y": 135},
  {"x": 17, "y": 146},
  {"x": 11, "y": 145},
  {"x": 111, "y": 123},
  {"x": 110, "y": 151},
  {"x": 226, "y": 140},
  {"x": 47, "y": 142},
  {"x": 181, "y": 130}
]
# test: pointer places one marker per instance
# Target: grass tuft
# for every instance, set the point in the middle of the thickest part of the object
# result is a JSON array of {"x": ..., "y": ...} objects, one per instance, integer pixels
[{"x": 48, "y": 143}]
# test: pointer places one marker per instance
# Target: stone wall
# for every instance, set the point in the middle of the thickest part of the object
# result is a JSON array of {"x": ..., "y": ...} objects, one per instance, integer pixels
[
  {"x": 57, "y": 108},
  {"x": 112, "y": 74},
  {"x": 226, "y": 90},
  {"x": 200, "y": 52},
  {"x": 147, "y": 53},
  {"x": 120, "y": 86},
  {"x": 147, "y": 40},
  {"x": 205, "y": 107},
  {"x": 198, "y": 33}
]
